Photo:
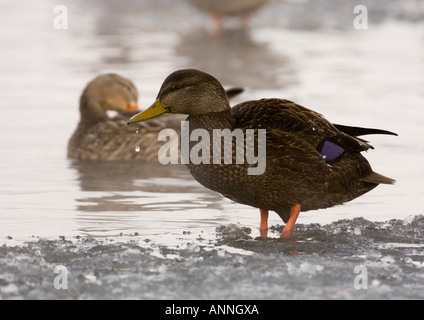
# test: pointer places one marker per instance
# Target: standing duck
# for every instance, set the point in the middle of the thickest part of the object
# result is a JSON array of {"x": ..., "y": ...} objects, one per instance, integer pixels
[
  {"x": 100, "y": 137},
  {"x": 220, "y": 8},
  {"x": 310, "y": 162}
]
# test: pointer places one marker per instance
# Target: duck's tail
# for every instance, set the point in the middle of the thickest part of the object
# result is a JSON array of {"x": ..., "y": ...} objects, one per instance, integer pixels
[
  {"x": 373, "y": 177},
  {"x": 232, "y": 92},
  {"x": 377, "y": 178},
  {"x": 358, "y": 131}
]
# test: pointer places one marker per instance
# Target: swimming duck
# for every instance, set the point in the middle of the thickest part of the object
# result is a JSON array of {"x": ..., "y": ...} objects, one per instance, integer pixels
[
  {"x": 310, "y": 162},
  {"x": 100, "y": 137}
]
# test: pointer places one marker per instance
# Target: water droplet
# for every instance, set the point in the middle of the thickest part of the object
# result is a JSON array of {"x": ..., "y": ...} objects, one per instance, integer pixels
[
  {"x": 138, "y": 130},
  {"x": 137, "y": 149}
]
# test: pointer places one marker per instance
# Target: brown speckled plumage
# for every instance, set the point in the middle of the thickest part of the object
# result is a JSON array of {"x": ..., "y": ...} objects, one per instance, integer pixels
[{"x": 296, "y": 172}]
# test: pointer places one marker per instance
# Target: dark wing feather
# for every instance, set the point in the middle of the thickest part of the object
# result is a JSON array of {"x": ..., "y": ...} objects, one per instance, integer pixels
[
  {"x": 307, "y": 125},
  {"x": 232, "y": 92},
  {"x": 358, "y": 131}
]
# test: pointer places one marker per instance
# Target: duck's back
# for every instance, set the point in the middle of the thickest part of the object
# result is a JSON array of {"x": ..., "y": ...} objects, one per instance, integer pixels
[{"x": 113, "y": 139}]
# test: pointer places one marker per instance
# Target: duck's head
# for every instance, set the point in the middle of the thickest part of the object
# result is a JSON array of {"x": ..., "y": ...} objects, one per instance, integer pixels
[
  {"x": 108, "y": 92},
  {"x": 187, "y": 91}
]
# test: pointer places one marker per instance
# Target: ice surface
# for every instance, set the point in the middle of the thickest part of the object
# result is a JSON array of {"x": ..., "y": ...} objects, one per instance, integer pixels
[{"x": 317, "y": 263}]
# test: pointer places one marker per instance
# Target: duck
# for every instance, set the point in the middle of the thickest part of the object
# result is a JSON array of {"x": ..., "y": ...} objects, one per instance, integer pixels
[
  {"x": 221, "y": 8},
  {"x": 100, "y": 137},
  {"x": 311, "y": 163}
]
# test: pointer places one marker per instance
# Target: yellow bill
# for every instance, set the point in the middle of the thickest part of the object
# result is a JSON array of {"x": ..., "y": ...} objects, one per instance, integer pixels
[{"x": 153, "y": 111}]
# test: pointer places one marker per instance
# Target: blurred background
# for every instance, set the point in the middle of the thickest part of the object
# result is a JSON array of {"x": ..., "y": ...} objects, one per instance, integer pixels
[{"x": 306, "y": 51}]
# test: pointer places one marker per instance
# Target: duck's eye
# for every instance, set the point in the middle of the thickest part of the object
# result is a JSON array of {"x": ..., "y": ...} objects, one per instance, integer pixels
[{"x": 175, "y": 87}]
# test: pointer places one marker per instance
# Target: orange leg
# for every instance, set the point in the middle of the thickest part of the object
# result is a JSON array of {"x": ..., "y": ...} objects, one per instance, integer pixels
[
  {"x": 218, "y": 24},
  {"x": 294, "y": 213},
  {"x": 263, "y": 228}
]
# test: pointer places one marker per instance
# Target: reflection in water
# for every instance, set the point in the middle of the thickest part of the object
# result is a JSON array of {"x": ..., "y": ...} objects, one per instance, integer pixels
[
  {"x": 235, "y": 59},
  {"x": 117, "y": 176},
  {"x": 131, "y": 197},
  {"x": 114, "y": 193}
]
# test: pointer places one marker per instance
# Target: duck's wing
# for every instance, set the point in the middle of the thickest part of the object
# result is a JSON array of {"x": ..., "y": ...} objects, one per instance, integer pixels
[{"x": 299, "y": 122}]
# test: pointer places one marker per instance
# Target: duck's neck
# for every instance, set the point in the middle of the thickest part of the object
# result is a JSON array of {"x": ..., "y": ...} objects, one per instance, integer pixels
[
  {"x": 202, "y": 129},
  {"x": 212, "y": 120},
  {"x": 91, "y": 112}
]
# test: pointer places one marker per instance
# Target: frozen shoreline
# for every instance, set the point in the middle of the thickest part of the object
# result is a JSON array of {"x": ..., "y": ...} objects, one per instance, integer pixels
[{"x": 318, "y": 263}]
